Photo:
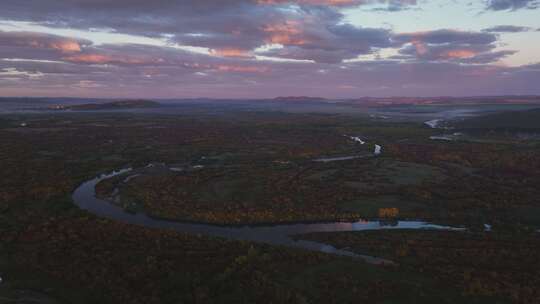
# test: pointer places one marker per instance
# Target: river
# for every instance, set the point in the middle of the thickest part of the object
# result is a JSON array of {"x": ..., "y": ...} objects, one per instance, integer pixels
[{"x": 279, "y": 234}]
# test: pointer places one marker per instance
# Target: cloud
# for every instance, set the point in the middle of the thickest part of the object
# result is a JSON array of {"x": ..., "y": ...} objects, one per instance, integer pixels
[
  {"x": 456, "y": 53},
  {"x": 489, "y": 57},
  {"x": 325, "y": 44},
  {"x": 507, "y": 29},
  {"x": 32, "y": 50},
  {"x": 447, "y": 36},
  {"x": 134, "y": 70},
  {"x": 309, "y": 43},
  {"x": 450, "y": 45},
  {"x": 342, "y": 3},
  {"x": 263, "y": 79},
  {"x": 499, "y": 5},
  {"x": 39, "y": 46},
  {"x": 226, "y": 27},
  {"x": 395, "y": 6},
  {"x": 42, "y": 41},
  {"x": 146, "y": 56}
]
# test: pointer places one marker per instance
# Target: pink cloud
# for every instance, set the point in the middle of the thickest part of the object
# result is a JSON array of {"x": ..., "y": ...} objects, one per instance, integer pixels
[
  {"x": 289, "y": 32},
  {"x": 463, "y": 53},
  {"x": 241, "y": 69},
  {"x": 231, "y": 52}
]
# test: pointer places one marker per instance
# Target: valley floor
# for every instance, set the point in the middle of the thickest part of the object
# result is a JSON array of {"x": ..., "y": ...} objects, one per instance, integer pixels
[{"x": 258, "y": 167}]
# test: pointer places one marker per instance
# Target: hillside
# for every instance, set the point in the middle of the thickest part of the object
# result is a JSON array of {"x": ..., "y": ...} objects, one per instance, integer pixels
[
  {"x": 123, "y": 104},
  {"x": 523, "y": 120},
  {"x": 299, "y": 99}
]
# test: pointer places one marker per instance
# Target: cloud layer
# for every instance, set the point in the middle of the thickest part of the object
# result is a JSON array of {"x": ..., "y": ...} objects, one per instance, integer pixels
[
  {"x": 246, "y": 48},
  {"x": 498, "y": 5}
]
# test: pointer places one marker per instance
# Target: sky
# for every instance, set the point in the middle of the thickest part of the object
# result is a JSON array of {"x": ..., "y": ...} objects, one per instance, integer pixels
[{"x": 269, "y": 48}]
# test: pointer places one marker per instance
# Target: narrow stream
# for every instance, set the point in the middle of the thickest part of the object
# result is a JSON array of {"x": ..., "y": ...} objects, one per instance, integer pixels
[
  {"x": 279, "y": 234},
  {"x": 377, "y": 150}
]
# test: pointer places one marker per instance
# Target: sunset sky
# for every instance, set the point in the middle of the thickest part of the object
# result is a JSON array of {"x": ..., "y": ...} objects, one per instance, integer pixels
[{"x": 268, "y": 48}]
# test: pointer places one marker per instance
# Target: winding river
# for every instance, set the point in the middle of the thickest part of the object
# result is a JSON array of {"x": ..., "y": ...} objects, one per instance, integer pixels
[{"x": 279, "y": 234}]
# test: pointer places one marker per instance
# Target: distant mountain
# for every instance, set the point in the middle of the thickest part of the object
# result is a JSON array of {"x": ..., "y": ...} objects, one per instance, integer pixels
[
  {"x": 114, "y": 105},
  {"x": 299, "y": 98}
]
